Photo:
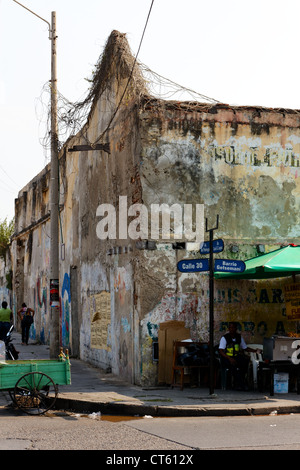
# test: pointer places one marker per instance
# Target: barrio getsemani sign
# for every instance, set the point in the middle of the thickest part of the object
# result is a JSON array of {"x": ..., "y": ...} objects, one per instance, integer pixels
[
  {"x": 220, "y": 265},
  {"x": 292, "y": 301}
]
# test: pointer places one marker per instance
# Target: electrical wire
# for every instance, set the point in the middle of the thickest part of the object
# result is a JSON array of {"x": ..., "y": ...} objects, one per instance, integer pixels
[
  {"x": 2, "y": 169},
  {"x": 129, "y": 79},
  {"x": 174, "y": 88},
  {"x": 71, "y": 117}
]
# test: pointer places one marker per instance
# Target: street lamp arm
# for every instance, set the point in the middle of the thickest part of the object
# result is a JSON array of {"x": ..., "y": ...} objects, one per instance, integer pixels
[{"x": 49, "y": 26}]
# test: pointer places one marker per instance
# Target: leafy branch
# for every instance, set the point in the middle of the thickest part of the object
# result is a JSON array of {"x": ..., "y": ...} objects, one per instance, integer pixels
[{"x": 6, "y": 231}]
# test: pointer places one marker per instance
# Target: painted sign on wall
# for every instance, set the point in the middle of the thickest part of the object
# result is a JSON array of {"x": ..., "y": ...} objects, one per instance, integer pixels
[{"x": 292, "y": 301}]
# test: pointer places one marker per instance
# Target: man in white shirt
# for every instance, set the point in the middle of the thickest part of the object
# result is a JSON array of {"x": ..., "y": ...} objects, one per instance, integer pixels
[{"x": 231, "y": 349}]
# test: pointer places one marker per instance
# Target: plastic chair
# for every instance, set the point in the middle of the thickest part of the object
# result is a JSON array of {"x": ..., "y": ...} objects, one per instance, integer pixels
[{"x": 255, "y": 358}]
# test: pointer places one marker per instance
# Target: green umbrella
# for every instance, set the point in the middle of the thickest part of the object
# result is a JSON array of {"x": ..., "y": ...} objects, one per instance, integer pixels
[{"x": 279, "y": 263}]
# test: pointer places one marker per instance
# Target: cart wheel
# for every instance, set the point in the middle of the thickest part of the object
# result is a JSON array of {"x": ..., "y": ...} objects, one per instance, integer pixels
[{"x": 35, "y": 393}]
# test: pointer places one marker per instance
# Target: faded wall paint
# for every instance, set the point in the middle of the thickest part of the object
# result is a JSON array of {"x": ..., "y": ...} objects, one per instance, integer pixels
[{"x": 241, "y": 163}]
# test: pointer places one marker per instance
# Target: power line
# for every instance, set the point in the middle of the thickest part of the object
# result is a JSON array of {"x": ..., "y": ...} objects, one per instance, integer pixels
[
  {"x": 1, "y": 168},
  {"x": 8, "y": 188}
]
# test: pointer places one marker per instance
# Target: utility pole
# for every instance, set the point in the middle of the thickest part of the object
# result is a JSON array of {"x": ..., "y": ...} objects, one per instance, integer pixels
[
  {"x": 54, "y": 201},
  {"x": 54, "y": 192}
]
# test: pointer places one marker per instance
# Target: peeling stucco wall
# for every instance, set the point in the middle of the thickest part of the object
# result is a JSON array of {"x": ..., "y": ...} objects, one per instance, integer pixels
[
  {"x": 240, "y": 163},
  {"x": 30, "y": 252},
  {"x": 243, "y": 165}
]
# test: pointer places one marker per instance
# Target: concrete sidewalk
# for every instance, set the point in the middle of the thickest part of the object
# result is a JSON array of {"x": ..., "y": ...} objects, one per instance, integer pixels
[{"x": 92, "y": 391}]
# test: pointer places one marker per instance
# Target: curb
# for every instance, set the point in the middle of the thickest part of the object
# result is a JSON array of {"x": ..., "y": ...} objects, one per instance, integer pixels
[{"x": 130, "y": 409}]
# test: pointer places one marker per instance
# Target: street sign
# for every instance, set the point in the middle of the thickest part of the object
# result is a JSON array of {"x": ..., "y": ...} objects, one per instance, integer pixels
[
  {"x": 193, "y": 265},
  {"x": 229, "y": 266},
  {"x": 218, "y": 246}
]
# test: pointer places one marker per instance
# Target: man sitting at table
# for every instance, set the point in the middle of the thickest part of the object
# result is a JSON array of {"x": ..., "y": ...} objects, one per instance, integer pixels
[{"x": 231, "y": 349}]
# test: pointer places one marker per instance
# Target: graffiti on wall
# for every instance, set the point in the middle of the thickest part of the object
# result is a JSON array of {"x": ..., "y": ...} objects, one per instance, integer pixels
[
  {"x": 41, "y": 295},
  {"x": 65, "y": 311},
  {"x": 122, "y": 283},
  {"x": 41, "y": 305},
  {"x": 123, "y": 327}
]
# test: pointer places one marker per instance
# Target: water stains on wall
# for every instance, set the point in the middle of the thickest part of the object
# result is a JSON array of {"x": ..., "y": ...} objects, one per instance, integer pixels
[{"x": 241, "y": 163}]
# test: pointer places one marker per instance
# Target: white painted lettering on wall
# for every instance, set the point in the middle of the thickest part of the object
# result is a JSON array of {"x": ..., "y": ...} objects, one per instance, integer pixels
[{"x": 256, "y": 156}]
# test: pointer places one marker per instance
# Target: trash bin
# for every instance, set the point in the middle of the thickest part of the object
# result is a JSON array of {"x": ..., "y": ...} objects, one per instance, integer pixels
[{"x": 281, "y": 382}]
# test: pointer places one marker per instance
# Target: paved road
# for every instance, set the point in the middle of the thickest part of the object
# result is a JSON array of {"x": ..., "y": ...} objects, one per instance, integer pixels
[
  {"x": 66, "y": 431},
  {"x": 271, "y": 432},
  {"x": 59, "y": 430}
]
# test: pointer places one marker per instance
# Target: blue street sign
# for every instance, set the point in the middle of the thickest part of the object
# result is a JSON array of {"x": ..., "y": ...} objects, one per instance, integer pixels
[
  {"x": 229, "y": 266},
  {"x": 193, "y": 265},
  {"x": 218, "y": 246}
]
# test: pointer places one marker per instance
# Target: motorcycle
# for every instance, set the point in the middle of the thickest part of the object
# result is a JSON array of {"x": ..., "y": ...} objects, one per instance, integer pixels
[{"x": 10, "y": 351}]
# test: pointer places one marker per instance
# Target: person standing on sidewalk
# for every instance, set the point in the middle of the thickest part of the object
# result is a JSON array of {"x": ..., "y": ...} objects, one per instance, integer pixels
[
  {"x": 6, "y": 318},
  {"x": 26, "y": 315}
]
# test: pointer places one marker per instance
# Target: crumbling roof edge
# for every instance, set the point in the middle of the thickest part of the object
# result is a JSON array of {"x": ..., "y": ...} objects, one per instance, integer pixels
[{"x": 212, "y": 107}]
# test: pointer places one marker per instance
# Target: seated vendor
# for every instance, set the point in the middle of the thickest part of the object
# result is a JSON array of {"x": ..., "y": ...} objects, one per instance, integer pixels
[{"x": 231, "y": 349}]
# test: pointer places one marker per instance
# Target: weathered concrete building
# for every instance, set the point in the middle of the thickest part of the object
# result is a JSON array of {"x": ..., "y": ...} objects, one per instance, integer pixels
[{"x": 119, "y": 294}]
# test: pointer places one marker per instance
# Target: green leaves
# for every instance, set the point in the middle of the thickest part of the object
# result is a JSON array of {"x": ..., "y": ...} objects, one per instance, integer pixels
[{"x": 6, "y": 231}]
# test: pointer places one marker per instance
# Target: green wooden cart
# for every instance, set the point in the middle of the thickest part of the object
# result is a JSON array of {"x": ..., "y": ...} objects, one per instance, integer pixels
[{"x": 33, "y": 384}]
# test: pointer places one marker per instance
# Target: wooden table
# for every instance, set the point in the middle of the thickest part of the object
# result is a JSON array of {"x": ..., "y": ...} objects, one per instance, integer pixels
[{"x": 273, "y": 367}]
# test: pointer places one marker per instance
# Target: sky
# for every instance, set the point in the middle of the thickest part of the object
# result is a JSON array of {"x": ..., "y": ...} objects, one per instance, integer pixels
[{"x": 239, "y": 52}]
